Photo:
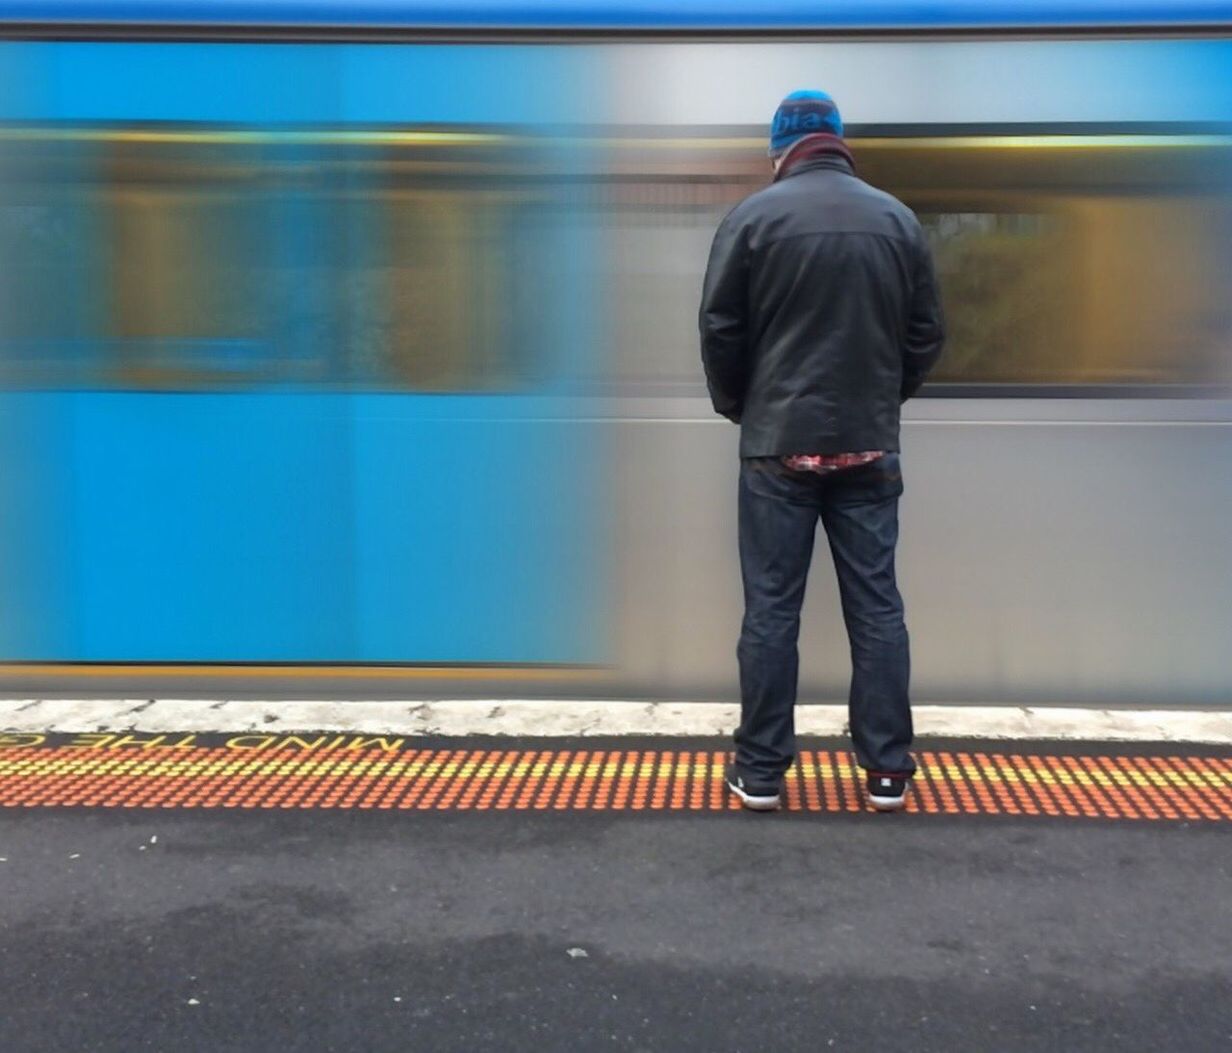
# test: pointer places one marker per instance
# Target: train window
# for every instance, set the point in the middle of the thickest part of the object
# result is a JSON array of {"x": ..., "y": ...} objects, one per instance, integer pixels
[
  {"x": 321, "y": 266},
  {"x": 48, "y": 299},
  {"x": 1007, "y": 286},
  {"x": 168, "y": 257},
  {"x": 398, "y": 287},
  {"x": 444, "y": 267},
  {"x": 186, "y": 285},
  {"x": 659, "y": 234},
  {"x": 658, "y": 284},
  {"x": 1073, "y": 261},
  {"x": 40, "y": 320},
  {"x": 1108, "y": 291},
  {"x": 1081, "y": 262}
]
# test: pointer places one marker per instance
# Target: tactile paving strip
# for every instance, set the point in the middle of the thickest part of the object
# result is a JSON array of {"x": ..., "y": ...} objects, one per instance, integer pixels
[{"x": 1195, "y": 788}]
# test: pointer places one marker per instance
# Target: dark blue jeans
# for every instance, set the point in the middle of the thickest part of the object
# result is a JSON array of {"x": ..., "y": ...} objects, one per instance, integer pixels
[{"x": 858, "y": 507}]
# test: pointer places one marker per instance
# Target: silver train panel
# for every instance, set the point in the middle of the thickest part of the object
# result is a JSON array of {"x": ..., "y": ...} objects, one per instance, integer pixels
[
  {"x": 972, "y": 81},
  {"x": 1079, "y": 559},
  {"x": 1069, "y": 550}
]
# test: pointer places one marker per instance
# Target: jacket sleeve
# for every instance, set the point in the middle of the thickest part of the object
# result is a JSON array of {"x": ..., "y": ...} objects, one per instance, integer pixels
[
  {"x": 724, "y": 319},
  {"x": 925, "y": 325}
]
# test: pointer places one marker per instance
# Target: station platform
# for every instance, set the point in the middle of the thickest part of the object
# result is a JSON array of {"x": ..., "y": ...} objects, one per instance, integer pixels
[{"x": 252, "y": 889}]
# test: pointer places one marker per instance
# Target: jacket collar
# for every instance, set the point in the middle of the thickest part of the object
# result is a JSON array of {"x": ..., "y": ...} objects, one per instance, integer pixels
[{"x": 816, "y": 151}]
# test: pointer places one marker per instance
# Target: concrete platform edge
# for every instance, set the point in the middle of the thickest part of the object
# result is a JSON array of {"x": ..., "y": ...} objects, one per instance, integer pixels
[{"x": 572, "y": 719}]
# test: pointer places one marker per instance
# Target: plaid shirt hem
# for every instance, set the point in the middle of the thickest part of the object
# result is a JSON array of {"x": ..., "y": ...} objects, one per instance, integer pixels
[{"x": 825, "y": 463}]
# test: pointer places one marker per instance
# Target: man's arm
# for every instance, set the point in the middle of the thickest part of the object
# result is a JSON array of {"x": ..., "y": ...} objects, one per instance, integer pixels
[
  {"x": 724, "y": 320},
  {"x": 925, "y": 325}
]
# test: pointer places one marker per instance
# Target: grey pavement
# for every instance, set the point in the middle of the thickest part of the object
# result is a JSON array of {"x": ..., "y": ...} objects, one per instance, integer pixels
[{"x": 254, "y": 931}]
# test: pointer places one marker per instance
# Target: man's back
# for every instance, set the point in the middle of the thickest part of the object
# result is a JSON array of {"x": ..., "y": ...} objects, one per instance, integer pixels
[
  {"x": 819, "y": 317},
  {"x": 840, "y": 318}
]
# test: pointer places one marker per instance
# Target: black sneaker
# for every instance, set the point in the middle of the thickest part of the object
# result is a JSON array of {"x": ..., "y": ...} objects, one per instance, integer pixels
[
  {"x": 758, "y": 797},
  {"x": 887, "y": 793}
]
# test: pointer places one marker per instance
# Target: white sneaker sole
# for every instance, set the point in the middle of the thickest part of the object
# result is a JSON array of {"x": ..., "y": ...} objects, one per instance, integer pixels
[
  {"x": 887, "y": 804},
  {"x": 755, "y": 802},
  {"x": 890, "y": 803}
]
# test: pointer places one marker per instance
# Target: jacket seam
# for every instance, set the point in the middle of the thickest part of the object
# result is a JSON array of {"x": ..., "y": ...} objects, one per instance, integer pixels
[{"x": 823, "y": 233}]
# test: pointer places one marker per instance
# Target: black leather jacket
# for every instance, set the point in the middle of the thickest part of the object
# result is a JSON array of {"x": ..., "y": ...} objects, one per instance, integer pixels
[{"x": 820, "y": 314}]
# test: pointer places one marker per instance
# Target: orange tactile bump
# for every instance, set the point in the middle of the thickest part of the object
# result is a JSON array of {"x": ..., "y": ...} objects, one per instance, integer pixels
[{"x": 332, "y": 771}]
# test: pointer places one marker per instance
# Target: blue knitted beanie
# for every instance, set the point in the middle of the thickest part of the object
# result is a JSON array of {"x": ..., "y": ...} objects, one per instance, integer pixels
[{"x": 803, "y": 113}]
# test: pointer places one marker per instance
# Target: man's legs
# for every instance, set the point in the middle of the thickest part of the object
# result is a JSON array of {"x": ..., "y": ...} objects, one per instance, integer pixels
[
  {"x": 778, "y": 518},
  {"x": 860, "y": 513}
]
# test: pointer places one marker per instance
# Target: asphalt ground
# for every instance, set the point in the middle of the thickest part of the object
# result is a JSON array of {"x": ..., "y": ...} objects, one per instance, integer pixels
[{"x": 348, "y": 929}]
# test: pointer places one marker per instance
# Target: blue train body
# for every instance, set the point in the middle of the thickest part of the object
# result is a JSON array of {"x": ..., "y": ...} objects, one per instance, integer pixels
[
  {"x": 342, "y": 521},
  {"x": 674, "y": 15}
]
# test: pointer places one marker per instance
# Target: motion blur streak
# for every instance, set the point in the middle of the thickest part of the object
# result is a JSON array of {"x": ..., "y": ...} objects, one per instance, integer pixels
[{"x": 348, "y": 353}]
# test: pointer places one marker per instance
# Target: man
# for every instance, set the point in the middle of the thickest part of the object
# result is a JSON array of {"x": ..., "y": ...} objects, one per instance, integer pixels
[{"x": 819, "y": 318}]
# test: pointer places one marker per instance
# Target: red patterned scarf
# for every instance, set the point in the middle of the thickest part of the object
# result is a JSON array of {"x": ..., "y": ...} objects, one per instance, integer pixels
[{"x": 811, "y": 147}]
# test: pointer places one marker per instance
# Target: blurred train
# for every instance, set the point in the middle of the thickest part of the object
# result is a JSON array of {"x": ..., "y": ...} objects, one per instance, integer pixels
[{"x": 366, "y": 333}]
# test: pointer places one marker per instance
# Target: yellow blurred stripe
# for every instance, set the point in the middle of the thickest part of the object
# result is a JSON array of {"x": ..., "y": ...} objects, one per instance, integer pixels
[
  {"x": 1053, "y": 142},
  {"x": 228, "y": 136},
  {"x": 302, "y": 672},
  {"x": 949, "y": 142},
  {"x": 408, "y": 137}
]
